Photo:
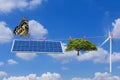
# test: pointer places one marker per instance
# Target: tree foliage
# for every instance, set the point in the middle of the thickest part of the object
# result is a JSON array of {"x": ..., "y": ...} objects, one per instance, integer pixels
[{"x": 80, "y": 44}]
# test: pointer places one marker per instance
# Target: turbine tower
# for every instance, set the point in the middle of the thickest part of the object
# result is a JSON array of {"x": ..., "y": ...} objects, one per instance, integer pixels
[{"x": 110, "y": 36}]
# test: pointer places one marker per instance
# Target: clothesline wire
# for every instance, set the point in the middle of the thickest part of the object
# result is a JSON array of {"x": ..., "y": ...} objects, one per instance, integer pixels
[{"x": 3, "y": 38}]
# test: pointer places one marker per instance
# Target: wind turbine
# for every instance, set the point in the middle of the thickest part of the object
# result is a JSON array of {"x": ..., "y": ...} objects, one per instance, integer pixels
[{"x": 110, "y": 36}]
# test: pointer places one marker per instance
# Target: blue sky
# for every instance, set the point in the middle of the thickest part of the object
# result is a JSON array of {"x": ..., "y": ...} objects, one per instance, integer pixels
[{"x": 57, "y": 20}]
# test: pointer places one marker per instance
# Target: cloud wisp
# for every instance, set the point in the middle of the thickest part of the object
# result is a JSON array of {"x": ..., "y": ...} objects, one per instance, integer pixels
[
  {"x": 1, "y": 63},
  {"x": 26, "y": 56},
  {"x": 99, "y": 76},
  {"x": 7, "y": 6},
  {"x": 37, "y": 30},
  {"x": 57, "y": 76},
  {"x": 44, "y": 76},
  {"x": 12, "y": 62},
  {"x": 3, "y": 74},
  {"x": 116, "y": 28},
  {"x": 5, "y": 33}
]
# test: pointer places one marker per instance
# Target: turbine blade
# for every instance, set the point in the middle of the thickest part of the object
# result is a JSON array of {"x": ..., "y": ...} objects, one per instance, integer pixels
[{"x": 104, "y": 42}]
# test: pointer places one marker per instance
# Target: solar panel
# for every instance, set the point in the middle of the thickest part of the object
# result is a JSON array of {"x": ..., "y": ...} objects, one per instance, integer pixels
[{"x": 36, "y": 46}]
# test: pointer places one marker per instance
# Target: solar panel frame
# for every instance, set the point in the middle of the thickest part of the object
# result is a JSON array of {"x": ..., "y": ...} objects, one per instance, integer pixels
[{"x": 30, "y": 51}]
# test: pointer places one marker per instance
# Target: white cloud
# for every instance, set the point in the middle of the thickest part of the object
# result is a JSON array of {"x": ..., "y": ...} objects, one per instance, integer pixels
[
  {"x": 115, "y": 57},
  {"x": 99, "y": 56},
  {"x": 33, "y": 3},
  {"x": 26, "y": 56},
  {"x": 80, "y": 78},
  {"x": 11, "y": 61},
  {"x": 116, "y": 28},
  {"x": 37, "y": 30},
  {"x": 3, "y": 74},
  {"x": 99, "y": 76},
  {"x": 9, "y": 5},
  {"x": 5, "y": 33},
  {"x": 50, "y": 76},
  {"x": 57, "y": 76},
  {"x": 118, "y": 67},
  {"x": 1, "y": 63},
  {"x": 64, "y": 68},
  {"x": 45, "y": 76},
  {"x": 66, "y": 57}
]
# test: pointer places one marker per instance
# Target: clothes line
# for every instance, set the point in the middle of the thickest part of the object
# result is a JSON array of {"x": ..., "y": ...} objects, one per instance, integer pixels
[
  {"x": 69, "y": 38},
  {"x": 2, "y": 38}
]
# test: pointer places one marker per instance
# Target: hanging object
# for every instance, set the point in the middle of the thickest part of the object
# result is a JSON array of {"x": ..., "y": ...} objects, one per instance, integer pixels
[
  {"x": 22, "y": 29},
  {"x": 36, "y": 46},
  {"x": 30, "y": 38},
  {"x": 84, "y": 37},
  {"x": 44, "y": 39},
  {"x": 70, "y": 38},
  {"x": 80, "y": 45}
]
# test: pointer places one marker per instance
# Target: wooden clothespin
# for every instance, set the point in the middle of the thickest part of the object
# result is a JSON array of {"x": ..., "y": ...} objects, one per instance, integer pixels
[
  {"x": 111, "y": 35},
  {"x": 84, "y": 37},
  {"x": 70, "y": 38},
  {"x": 30, "y": 38},
  {"x": 44, "y": 39}
]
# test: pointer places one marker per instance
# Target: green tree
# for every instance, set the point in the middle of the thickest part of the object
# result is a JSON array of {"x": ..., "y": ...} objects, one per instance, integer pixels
[{"x": 80, "y": 44}]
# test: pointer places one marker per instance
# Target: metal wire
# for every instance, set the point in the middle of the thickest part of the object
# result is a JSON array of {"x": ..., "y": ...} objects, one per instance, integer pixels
[
  {"x": 1, "y": 38},
  {"x": 62, "y": 39}
]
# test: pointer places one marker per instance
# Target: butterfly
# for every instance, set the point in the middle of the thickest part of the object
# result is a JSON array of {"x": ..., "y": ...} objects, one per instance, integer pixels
[{"x": 22, "y": 29}]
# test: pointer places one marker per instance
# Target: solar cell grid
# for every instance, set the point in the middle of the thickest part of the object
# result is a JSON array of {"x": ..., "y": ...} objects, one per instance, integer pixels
[{"x": 36, "y": 46}]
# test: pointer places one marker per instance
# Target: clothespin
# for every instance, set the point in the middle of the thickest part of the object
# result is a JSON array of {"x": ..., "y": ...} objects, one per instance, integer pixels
[
  {"x": 44, "y": 39},
  {"x": 30, "y": 38},
  {"x": 111, "y": 35},
  {"x": 84, "y": 37},
  {"x": 70, "y": 38}
]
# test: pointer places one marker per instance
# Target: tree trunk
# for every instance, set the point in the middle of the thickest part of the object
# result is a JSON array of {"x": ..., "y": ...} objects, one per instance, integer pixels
[{"x": 77, "y": 53}]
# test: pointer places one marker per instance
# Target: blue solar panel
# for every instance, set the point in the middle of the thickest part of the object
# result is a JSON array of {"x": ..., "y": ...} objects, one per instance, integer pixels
[{"x": 36, "y": 46}]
